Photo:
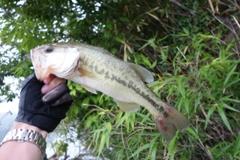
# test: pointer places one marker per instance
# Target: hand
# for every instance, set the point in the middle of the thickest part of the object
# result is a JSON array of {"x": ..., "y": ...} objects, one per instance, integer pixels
[{"x": 43, "y": 111}]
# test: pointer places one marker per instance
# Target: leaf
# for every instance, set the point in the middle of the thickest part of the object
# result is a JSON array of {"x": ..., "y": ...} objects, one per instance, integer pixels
[
  {"x": 210, "y": 111},
  {"x": 124, "y": 19},
  {"x": 144, "y": 117},
  {"x": 126, "y": 118},
  {"x": 102, "y": 142},
  {"x": 208, "y": 96},
  {"x": 107, "y": 135},
  {"x": 192, "y": 132},
  {"x": 236, "y": 149},
  {"x": 109, "y": 25},
  {"x": 11, "y": 35},
  {"x": 231, "y": 100},
  {"x": 224, "y": 118},
  {"x": 186, "y": 31},
  {"x": 154, "y": 64},
  {"x": 223, "y": 150},
  {"x": 229, "y": 75},
  {"x": 146, "y": 61},
  {"x": 89, "y": 121},
  {"x": 148, "y": 145},
  {"x": 73, "y": 93},
  {"x": 153, "y": 152},
  {"x": 76, "y": 109},
  {"x": 172, "y": 147},
  {"x": 119, "y": 119},
  {"x": 197, "y": 102},
  {"x": 207, "y": 36},
  {"x": 181, "y": 86},
  {"x": 108, "y": 127},
  {"x": 153, "y": 148},
  {"x": 224, "y": 105},
  {"x": 86, "y": 101},
  {"x": 118, "y": 39}
]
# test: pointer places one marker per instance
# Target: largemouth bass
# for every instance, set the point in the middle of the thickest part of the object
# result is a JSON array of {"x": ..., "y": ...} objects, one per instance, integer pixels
[{"x": 95, "y": 69}]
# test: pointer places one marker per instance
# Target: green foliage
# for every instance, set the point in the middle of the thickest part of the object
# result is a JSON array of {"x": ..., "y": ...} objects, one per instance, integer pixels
[
  {"x": 227, "y": 150},
  {"x": 61, "y": 147},
  {"x": 193, "y": 54}
]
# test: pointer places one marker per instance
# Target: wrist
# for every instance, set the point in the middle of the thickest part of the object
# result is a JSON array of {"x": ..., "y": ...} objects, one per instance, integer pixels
[
  {"x": 27, "y": 141},
  {"x": 21, "y": 125}
]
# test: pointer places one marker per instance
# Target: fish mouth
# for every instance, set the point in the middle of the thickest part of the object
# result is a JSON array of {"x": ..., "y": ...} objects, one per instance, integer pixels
[
  {"x": 61, "y": 71},
  {"x": 41, "y": 74}
]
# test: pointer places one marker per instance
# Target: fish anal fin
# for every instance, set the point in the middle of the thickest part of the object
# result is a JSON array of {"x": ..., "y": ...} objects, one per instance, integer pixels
[
  {"x": 128, "y": 107},
  {"x": 170, "y": 122},
  {"x": 143, "y": 73},
  {"x": 89, "y": 89}
]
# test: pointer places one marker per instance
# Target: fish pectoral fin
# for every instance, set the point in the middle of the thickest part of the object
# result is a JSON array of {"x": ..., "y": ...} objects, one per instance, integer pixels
[
  {"x": 89, "y": 89},
  {"x": 142, "y": 72},
  {"x": 128, "y": 107}
]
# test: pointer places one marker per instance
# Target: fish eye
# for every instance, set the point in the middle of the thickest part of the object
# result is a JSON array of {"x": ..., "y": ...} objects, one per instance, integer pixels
[{"x": 48, "y": 49}]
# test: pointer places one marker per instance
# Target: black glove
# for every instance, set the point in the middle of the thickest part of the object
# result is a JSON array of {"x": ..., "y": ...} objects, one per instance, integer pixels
[{"x": 44, "y": 112}]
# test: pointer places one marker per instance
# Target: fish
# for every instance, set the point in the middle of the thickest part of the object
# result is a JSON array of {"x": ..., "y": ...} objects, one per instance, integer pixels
[{"x": 96, "y": 69}]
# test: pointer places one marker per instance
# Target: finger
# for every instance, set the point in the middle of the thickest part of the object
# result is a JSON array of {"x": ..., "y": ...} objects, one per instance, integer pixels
[
  {"x": 56, "y": 93},
  {"x": 52, "y": 84},
  {"x": 48, "y": 79},
  {"x": 66, "y": 98}
]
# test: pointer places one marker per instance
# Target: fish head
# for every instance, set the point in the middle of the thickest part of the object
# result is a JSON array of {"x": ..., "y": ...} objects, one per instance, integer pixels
[{"x": 60, "y": 59}]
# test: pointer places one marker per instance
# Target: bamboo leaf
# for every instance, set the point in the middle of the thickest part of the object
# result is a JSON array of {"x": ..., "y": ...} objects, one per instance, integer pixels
[
  {"x": 236, "y": 149},
  {"x": 146, "y": 61},
  {"x": 223, "y": 117},
  {"x": 148, "y": 145},
  {"x": 230, "y": 100},
  {"x": 118, "y": 39},
  {"x": 181, "y": 86},
  {"x": 172, "y": 148},
  {"x": 192, "y": 132},
  {"x": 102, "y": 142},
  {"x": 154, "y": 64},
  {"x": 119, "y": 119},
  {"x": 223, "y": 150},
  {"x": 229, "y": 75},
  {"x": 210, "y": 111},
  {"x": 224, "y": 105},
  {"x": 154, "y": 151},
  {"x": 108, "y": 127}
]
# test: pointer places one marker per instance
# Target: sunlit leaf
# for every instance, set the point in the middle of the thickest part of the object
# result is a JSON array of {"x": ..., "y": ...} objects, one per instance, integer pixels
[{"x": 102, "y": 142}]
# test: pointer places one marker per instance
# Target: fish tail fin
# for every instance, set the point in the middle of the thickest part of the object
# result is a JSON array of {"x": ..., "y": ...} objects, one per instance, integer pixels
[{"x": 169, "y": 122}]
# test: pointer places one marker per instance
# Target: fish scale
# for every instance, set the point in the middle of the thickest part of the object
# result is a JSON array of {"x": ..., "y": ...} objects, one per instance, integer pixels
[
  {"x": 98, "y": 70},
  {"x": 132, "y": 81}
]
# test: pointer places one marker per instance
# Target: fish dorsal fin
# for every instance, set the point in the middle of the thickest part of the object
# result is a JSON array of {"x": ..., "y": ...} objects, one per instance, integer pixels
[
  {"x": 128, "y": 107},
  {"x": 143, "y": 73},
  {"x": 89, "y": 89}
]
